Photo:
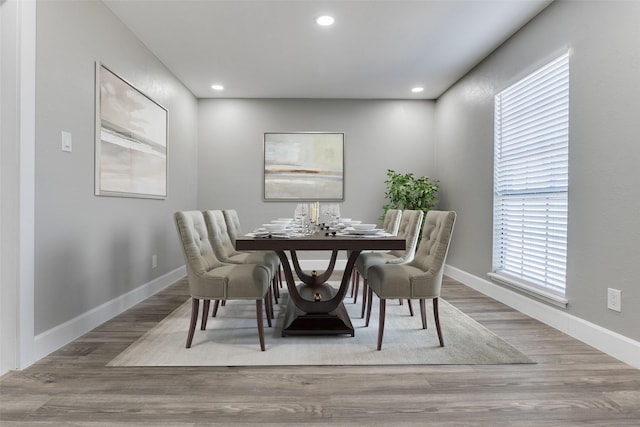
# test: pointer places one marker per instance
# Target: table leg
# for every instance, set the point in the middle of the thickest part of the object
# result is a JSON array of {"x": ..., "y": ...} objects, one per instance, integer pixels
[{"x": 316, "y": 308}]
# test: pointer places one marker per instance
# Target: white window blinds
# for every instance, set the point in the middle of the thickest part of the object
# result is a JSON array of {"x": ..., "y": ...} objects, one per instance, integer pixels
[{"x": 531, "y": 179}]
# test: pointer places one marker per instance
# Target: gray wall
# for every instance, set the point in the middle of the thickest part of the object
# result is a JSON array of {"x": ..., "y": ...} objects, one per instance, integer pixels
[
  {"x": 378, "y": 135},
  {"x": 604, "y": 207},
  {"x": 89, "y": 249}
]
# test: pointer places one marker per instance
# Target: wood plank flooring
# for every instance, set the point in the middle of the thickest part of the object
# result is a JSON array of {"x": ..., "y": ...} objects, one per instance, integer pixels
[{"x": 572, "y": 384}]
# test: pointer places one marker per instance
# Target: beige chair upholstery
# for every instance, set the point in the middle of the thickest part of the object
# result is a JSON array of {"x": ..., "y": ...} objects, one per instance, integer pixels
[
  {"x": 233, "y": 224},
  {"x": 421, "y": 278},
  {"x": 391, "y": 222},
  {"x": 210, "y": 279},
  {"x": 234, "y": 230},
  {"x": 225, "y": 249},
  {"x": 409, "y": 229},
  {"x": 391, "y": 225},
  {"x": 226, "y": 252}
]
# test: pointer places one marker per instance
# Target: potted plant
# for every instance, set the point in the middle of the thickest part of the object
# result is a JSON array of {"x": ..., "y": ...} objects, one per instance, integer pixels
[{"x": 405, "y": 191}]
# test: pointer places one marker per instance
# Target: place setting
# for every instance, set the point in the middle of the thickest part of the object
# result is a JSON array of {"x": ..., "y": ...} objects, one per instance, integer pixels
[
  {"x": 355, "y": 228},
  {"x": 311, "y": 218},
  {"x": 281, "y": 227}
]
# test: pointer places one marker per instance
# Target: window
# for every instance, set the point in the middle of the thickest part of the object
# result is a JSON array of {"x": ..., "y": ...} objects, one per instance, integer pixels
[{"x": 531, "y": 182}]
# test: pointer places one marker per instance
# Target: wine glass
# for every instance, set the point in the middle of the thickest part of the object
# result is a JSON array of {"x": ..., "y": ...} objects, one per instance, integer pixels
[
  {"x": 302, "y": 215},
  {"x": 298, "y": 215},
  {"x": 325, "y": 214},
  {"x": 334, "y": 212}
]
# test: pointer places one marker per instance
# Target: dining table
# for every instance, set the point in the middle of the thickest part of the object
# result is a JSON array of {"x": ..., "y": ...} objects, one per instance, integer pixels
[{"x": 317, "y": 307}]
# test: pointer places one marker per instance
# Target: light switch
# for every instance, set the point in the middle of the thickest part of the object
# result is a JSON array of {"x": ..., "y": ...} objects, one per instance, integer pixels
[{"x": 66, "y": 141}]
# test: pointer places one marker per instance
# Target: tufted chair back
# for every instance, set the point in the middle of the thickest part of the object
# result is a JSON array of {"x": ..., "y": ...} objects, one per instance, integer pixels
[
  {"x": 209, "y": 279},
  {"x": 409, "y": 229},
  {"x": 198, "y": 253},
  {"x": 219, "y": 235},
  {"x": 233, "y": 224},
  {"x": 434, "y": 246},
  {"x": 391, "y": 222},
  {"x": 421, "y": 278}
]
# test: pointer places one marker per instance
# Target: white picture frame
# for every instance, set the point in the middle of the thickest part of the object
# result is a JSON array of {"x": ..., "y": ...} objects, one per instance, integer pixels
[
  {"x": 130, "y": 140},
  {"x": 304, "y": 166}
]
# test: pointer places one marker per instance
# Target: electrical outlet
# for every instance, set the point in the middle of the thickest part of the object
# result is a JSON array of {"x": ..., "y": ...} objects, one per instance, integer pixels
[
  {"x": 154, "y": 261},
  {"x": 614, "y": 299}
]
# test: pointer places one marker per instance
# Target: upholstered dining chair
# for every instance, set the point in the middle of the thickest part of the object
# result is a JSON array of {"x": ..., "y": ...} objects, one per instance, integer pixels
[
  {"x": 421, "y": 278},
  {"x": 409, "y": 229},
  {"x": 391, "y": 225},
  {"x": 225, "y": 251},
  {"x": 234, "y": 229},
  {"x": 210, "y": 279},
  {"x": 233, "y": 224}
]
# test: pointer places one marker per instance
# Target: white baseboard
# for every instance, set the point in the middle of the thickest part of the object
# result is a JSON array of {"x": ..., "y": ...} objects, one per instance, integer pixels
[
  {"x": 61, "y": 335},
  {"x": 53, "y": 339},
  {"x": 612, "y": 343}
]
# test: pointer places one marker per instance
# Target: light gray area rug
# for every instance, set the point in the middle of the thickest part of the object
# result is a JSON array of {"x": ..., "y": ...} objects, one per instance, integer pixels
[{"x": 231, "y": 339}]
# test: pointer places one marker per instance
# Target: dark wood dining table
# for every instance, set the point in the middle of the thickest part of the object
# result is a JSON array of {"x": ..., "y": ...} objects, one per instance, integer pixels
[{"x": 317, "y": 307}]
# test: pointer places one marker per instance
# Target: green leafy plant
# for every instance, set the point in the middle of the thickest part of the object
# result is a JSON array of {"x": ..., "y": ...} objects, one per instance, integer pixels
[{"x": 405, "y": 191}]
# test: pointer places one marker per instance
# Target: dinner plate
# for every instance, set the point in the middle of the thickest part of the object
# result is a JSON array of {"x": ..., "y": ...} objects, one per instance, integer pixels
[
  {"x": 350, "y": 230},
  {"x": 264, "y": 233}
]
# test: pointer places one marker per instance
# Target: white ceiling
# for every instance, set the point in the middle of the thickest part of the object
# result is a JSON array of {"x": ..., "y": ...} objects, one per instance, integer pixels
[{"x": 274, "y": 49}]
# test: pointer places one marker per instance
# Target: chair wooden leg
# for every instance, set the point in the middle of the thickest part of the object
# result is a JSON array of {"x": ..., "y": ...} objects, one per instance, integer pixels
[
  {"x": 381, "y": 322},
  {"x": 268, "y": 304},
  {"x": 423, "y": 312},
  {"x": 369, "y": 302},
  {"x": 280, "y": 275},
  {"x": 271, "y": 310},
  {"x": 273, "y": 315},
  {"x": 356, "y": 287},
  {"x": 216, "y": 303},
  {"x": 276, "y": 292},
  {"x": 410, "y": 307},
  {"x": 260, "y": 323},
  {"x": 365, "y": 288},
  {"x": 195, "y": 307},
  {"x": 205, "y": 314},
  {"x": 265, "y": 300},
  {"x": 435, "y": 315}
]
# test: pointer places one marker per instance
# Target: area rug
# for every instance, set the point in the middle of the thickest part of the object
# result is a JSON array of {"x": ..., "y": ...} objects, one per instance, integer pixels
[{"x": 231, "y": 339}]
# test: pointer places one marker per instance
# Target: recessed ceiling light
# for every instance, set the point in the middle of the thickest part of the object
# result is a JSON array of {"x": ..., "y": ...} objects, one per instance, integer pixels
[
  {"x": 417, "y": 89},
  {"x": 217, "y": 87},
  {"x": 325, "y": 20}
]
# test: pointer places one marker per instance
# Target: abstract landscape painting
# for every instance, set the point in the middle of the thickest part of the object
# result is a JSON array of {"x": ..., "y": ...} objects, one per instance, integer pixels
[
  {"x": 131, "y": 140},
  {"x": 304, "y": 166}
]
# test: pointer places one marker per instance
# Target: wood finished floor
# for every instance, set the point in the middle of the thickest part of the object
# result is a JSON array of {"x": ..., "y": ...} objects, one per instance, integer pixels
[{"x": 572, "y": 384}]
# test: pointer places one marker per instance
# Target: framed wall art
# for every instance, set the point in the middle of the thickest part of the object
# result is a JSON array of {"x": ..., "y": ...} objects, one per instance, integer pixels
[
  {"x": 131, "y": 140},
  {"x": 304, "y": 166}
]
